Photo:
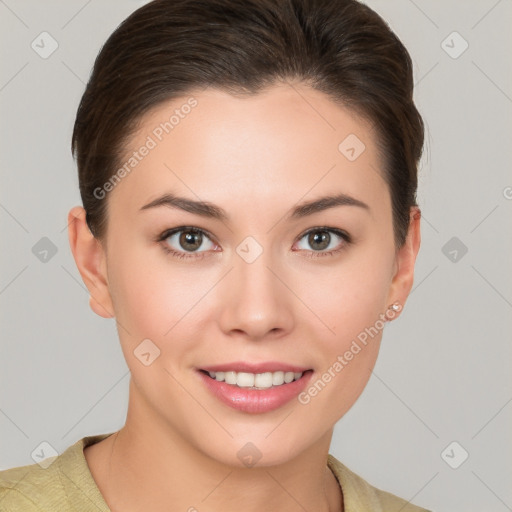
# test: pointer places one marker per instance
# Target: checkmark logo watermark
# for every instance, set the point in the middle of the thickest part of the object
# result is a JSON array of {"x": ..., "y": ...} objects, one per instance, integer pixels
[
  {"x": 249, "y": 455},
  {"x": 44, "y": 250},
  {"x": 44, "y": 454},
  {"x": 454, "y": 45},
  {"x": 454, "y": 249},
  {"x": 249, "y": 249},
  {"x": 454, "y": 455},
  {"x": 352, "y": 147},
  {"x": 146, "y": 352},
  {"x": 44, "y": 45}
]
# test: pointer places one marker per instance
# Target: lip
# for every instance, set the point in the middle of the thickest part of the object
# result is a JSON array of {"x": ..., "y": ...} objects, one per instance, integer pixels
[
  {"x": 254, "y": 401},
  {"x": 243, "y": 366}
]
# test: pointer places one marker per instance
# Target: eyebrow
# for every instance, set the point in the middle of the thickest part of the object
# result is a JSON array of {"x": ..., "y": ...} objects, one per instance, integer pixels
[{"x": 210, "y": 210}]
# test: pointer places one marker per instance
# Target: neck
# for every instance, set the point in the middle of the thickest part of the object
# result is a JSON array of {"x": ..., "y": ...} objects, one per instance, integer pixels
[{"x": 148, "y": 466}]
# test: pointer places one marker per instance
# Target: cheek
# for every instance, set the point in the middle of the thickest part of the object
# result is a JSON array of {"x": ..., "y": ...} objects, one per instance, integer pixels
[
  {"x": 147, "y": 302},
  {"x": 351, "y": 302},
  {"x": 151, "y": 303},
  {"x": 153, "y": 297},
  {"x": 349, "y": 296}
]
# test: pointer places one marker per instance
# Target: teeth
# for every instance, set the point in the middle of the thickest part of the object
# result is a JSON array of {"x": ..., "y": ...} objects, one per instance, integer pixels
[{"x": 256, "y": 380}]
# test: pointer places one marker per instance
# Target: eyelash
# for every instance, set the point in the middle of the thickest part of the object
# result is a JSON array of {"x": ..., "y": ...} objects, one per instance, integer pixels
[{"x": 200, "y": 255}]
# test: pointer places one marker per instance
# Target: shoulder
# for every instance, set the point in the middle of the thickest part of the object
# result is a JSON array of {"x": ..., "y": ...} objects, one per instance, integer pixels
[
  {"x": 55, "y": 484},
  {"x": 27, "y": 487},
  {"x": 358, "y": 494}
]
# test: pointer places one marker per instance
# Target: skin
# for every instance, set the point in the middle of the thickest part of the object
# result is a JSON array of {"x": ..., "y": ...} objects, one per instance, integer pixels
[{"x": 256, "y": 157}]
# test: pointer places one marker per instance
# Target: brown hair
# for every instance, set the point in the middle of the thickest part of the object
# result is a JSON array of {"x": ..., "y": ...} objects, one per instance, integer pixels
[{"x": 169, "y": 47}]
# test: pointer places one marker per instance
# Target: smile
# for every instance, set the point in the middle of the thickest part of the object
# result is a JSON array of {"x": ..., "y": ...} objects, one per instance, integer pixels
[
  {"x": 255, "y": 392},
  {"x": 256, "y": 380}
]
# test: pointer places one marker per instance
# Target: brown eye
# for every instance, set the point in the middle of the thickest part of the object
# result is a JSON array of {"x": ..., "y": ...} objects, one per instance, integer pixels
[
  {"x": 184, "y": 242},
  {"x": 324, "y": 241},
  {"x": 190, "y": 240},
  {"x": 319, "y": 240}
]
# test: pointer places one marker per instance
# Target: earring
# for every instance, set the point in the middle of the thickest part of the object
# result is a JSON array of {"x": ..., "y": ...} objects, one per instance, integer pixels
[{"x": 392, "y": 310}]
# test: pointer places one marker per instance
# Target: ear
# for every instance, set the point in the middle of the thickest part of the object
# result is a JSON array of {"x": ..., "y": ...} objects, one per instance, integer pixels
[
  {"x": 405, "y": 259},
  {"x": 90, "y": 259}
]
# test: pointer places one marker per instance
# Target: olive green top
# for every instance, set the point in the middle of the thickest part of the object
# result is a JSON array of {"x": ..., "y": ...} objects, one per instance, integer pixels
[{"x": 67, "y": 485}]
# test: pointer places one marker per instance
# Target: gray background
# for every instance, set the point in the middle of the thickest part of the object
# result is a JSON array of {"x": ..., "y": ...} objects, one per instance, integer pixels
[{"x": 444, "y": 370}]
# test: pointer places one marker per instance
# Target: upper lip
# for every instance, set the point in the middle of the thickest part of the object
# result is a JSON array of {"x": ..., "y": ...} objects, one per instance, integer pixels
[{"x": 244, "y": 366}]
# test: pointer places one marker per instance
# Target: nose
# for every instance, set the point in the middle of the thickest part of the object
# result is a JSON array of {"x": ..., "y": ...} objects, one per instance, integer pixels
[{"x": 255, "y": 301}]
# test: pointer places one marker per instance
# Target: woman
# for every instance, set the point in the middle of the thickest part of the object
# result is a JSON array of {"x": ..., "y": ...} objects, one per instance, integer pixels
[{"x": 248, "y": 172}]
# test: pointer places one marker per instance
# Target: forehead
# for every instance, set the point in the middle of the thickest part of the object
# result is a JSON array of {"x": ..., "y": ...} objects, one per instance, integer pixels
[{"x": 288, "y": 139}]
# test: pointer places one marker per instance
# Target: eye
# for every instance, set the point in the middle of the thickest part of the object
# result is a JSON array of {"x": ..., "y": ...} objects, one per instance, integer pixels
[
  {"x": 183, "y": 240},
  {"x": 321, "y": 239}
]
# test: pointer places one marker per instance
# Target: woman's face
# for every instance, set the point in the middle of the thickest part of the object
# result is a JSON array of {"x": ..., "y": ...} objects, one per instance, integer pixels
[{"x": 260, "y": 285}]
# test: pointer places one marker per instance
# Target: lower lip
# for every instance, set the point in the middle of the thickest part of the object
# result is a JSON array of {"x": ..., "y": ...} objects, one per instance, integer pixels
[{"x": 255, "y": 401}]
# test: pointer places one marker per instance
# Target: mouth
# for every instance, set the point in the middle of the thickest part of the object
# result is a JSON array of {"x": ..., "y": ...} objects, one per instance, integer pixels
[
  {"x": 254, "y": 393},
  {"x": 259, "y": 381}
]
